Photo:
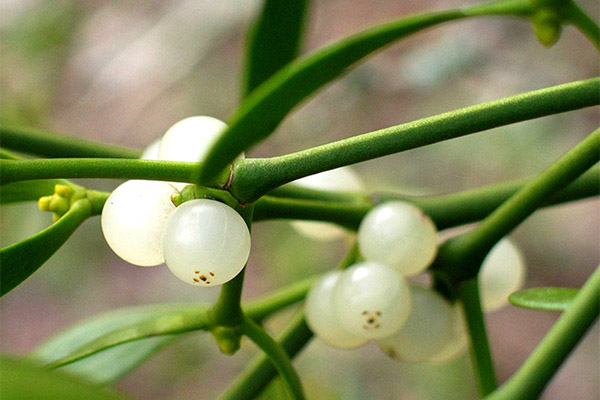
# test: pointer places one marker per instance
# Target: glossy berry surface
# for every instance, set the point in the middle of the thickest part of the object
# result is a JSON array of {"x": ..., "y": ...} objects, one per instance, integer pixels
[
  {"x": 206, "y": 242},
  {"x": 133, "y": 220},
  {"x": 371, "y": 300},
  {"x": 342, "y": 180},
  {"x": 400, "y": 235},
  {"x": 458, "y": 340},
  {"x": 502, "y": 273},
  {"x": 190, "y": 139},
  {"x": 427, "y": 330},
  {"x": 320, "y": 316},
  {"x": 151, "y": 151}
]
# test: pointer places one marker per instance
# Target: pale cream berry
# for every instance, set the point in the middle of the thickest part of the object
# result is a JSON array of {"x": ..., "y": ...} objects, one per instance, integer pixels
[
  {"x": 371, "y": 300},
  {"x": 342, "y": 179},
  {"x": 190, "y": 139},
  {"x": 320, "y": 317},
  {"x": 206, "y": 242},
  {"x": 133, "y": 220},
  {"x": 426, "y": 332},
  {"x": 502, "y": 273},
  {"x": 400, "y": 235},
  {"x": 458, "y": 341}
]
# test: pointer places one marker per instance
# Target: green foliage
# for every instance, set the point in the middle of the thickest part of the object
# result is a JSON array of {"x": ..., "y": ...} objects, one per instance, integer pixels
[
  {"x": 266, "y": 107},
  {"x": 106, "y": 348},
  {"x": 22, "y": 259},
  {"x": 22, "y": 380},
  {"x": 274, "y": 40},
  {"x": 546, "y": 298},
  {"x": 115, "y": 362}
]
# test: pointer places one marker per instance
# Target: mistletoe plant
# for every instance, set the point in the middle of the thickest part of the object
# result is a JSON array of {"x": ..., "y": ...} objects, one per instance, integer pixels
[{"x": 195, "y": 212}]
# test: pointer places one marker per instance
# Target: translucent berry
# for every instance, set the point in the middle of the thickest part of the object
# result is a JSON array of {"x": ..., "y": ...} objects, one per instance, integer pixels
[
  {"x": 133, "y": 220},
  {"x": 320, "y": 317},
  {"x": 341, "y": 179},
  {"x": 457, "y": 341},
  {"x": 371, "y": 300},
  {"x": 206, "y": 242},
  {"x": 400, "y": 235},
  {"x": 502, "y": 273},
  {"x": 151, "y": 151},
  {"x": 190, "y": 139},
  {"x": 427, "y": 330}
]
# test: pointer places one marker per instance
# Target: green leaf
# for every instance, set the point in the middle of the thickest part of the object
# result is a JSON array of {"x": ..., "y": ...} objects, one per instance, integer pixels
[
  {"x": 29, "y": 190},
  {"x": 546, "y": 298},
  {"x": 46, "y": 144},
  {"x": 267, "y": 106},
  {"x": 23, "y": 380},
  {"x": 18, "y": 261},
  {"x": 111, "y": 364},
  {"x": 274, "y": 40},
  {"x": 164, "y": 321}
]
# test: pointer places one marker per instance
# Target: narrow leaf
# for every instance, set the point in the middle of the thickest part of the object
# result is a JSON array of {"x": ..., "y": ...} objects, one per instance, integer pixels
[
  {"x": 29, "y": 190},
  {"x": 18, "y": 261},
  {"x": 546, "y": 299},
  {"x": 267, "y": 106},
  {"x": 179, "y": 319},
  {"x": 112, "y": 364},
  {"x": 23, "y": 380},
  {"x": 274, "y": 40}
]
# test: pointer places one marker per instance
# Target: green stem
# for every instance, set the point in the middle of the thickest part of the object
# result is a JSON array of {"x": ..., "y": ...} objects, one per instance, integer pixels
[
  {"x": 227, "y": 311},
  {"x": 277, "y": 355},
  {"x": 35, "y": 141},
  {"x": 583, "y": 22},
  {"x": 23, "y": 170},
  {"x": 461, "y": 256},
  {"x": 479, "y": 344},
  {"x": 264, "y": 109},
  {"x": 263, "y": 307},
  {"x": 253, "y": 178},
  {"x": 446, "y": 210},
  {"x": 260, "y": 371},
  {"x": 535, "y": 373}
]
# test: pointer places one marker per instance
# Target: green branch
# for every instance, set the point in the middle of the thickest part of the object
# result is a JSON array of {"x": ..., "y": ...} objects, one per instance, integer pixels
[
  {"x": 265, "y": 108},
  {"x": 277, "y": 355},
  {"x": 260, "y": 371},
  {"x": 177, "y": 322},
  {"x": 446, "y": 210},
  {"x": 479, "y": 344},
  {"x": 40, "y": 143},
  {"x": 226, "y": 314},
  {"x": 24, "y": 170},
  {"x": 535, "y": 373},
  {"x": 253, "y": 178},
  {"x": 461, "y": 257}
]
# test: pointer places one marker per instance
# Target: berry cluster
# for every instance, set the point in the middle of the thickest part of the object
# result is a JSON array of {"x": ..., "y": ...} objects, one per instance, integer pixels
[
  {"x": 203, "y": 242},
  {"x": 373, "y": 300}
]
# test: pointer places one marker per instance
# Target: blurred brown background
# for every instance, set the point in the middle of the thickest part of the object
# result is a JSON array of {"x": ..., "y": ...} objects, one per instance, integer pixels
[{"x": 123, "y": 72}]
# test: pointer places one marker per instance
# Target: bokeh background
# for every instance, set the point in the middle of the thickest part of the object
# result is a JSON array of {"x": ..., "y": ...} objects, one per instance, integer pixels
[{"x": 124, "y": 72}]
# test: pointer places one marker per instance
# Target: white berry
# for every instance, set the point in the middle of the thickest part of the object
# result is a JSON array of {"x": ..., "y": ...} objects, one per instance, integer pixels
[
  {"x": 151, "y": 151},
  {"x": 457, "y": 341},
  {"x": 190, "y": 139},
  {"x": 502, "y": 273},
  {"x": 427, "y": 330},
  {"x": 133, "y": 220},
  {"x": 206, "y": 242},
  {"x": 320, "y": 317},
  {"x": 342, "y": 179},
  {"x": 400, "y": 235},
  {"x": 371, "y": 300}
]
